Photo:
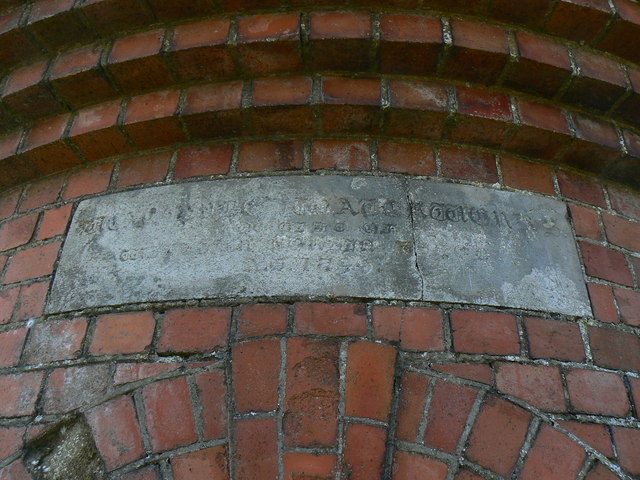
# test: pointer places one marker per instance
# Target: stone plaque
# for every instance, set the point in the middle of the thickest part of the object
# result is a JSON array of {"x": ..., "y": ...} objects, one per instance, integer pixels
[{"x": 321, "y": 236}]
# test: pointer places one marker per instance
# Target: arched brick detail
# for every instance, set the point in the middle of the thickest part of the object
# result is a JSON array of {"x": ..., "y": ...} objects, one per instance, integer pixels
[{"x": 538, "y": 97}]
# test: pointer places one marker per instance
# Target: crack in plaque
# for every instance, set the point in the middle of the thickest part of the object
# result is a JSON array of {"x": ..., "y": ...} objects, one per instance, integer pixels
[{"x": 413, "y": 237}]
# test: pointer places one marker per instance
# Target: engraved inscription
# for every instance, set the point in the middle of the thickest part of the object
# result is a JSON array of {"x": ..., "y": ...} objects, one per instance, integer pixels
[{"x": 321, "y": 236}]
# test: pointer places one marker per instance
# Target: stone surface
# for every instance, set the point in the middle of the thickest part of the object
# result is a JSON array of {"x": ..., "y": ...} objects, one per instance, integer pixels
[
  {"x": 490, "y": 247},
  {"x": 321, "y": 236}
]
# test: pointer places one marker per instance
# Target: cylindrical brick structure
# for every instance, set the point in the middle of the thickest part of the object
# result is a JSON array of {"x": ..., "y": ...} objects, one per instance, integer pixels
[{"x": 353, "y": 369}]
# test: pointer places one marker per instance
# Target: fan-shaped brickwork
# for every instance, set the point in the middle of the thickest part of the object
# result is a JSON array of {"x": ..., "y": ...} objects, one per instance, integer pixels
[{"x": 540, "y": 97}]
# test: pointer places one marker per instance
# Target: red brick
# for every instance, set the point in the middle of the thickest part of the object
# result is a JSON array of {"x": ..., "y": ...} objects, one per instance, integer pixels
[
  {"x": 19, "y": 231},
  {"x": 201, "y": 161},
  {"x": 600, "y": 84},
  {"x": 497, "y": 435},
  {"x": 110, "y": 17},
  {"x": 553, "y": 456},
  {"x": 96, "y": 134},
  {"x": 542, "y": 67},
  {"x": 331, "y": 319},
  {"x": 122, "y": 333},
  {"x": 412, "y": 158},
  {"x": 19, "y": 393},
  {"x": 605, "y": 263},
  {"x": 133, "y": 372},
  {"x": 54, "y": 24},
  {"x": 169, "y": 414},
  {"x": 625, "y": 202},
  {"x": 341, "y": 41},
  {"x": 150, "y": 119},
  {"x": 629, "y": 305},
  {"x": 351, "y": 105},
  {"x": 31, "y": 300},
  {"x": 224, "y": 96},
  {"x": 212, "y": 391},
  {"x": 32, "y": 263},
  {"x": 41, "y": 193},
  {"x": 74, "y": 387},
  {"x": 27, "y": 96},
  {"x": 627, "y": 443},
  {"x": 586, "y": 221},
  {"x": 281, "y": 91},
  {"x": 256, "y": 371},
  {"x": 199, "y": 51},
  {"x": 364, "y": 451},
  {"x": 87, "y": 181},
  {"x": 483, "y": 103},
  {"x": 268, "y": 27},
  {"x": 51, "y": 341},
  {"x": 622, "y": 232},
  {"x": 147, "y": 473},
  {"x": 595, "y": 435},
  {"x": 467, "y": 475},
  {"x": 476, "y": 372},
  {"x": 340, "y": 155},
  {"x": 581, "y": 188},
  {"x": 543, "y": 116},
  {"x": 147, "y": 169},
  {"x": 135, "y": 62},
  {"x": 527, "y": 175},
  {"x": 479, "y": 52},
  {"x": 448, "y": 414},
  {"x": 260, "y": 156},
  {"x": 578, "y": 20},
  {"x": 554, "y": 339},
  {"x": 419, "y": 96},
  {"x": 77, "y": 78},
  {"x": 469, "y": 165},
  {"x": 596, "y": 144},
  {"x": 262, "y": 319},
  {"x": 55, "y": 222},
  {"x": 359, "y": 91},
  {"x": 179, "y": 9},
  {"x": 256, "y": 449},
  {"x": 340, "y": 25},
  {"x": 413, "y": 395},
  {"x": 116, "y": 432},
  {"x": 370, "y": 375},
  {"x": 414, "y": 328},
  {"x": 209, "y": 463},
  {"x": 485, "y": 332},
  {"x": 15, "y": 471},
  {"x": 537, "y": 385},
  {"x": 9, "y": 202},
  {"x": 600, "y": 472},
  {"x": 602, "y": 301},
  {"x": 544, "y": 131},
  {"x": 615, "y": 349},
  {"x": 311, "y": 403},
  {"x": 11, "y": 343},
  {"x": 410, "y": 44},
  {"x": 195, "y": 330},
  {"x": 407, "y": 466},
  {"x": 8, "y": 299},
  {"x": 600, "y": 393},
  {"x": 10, "y": 440},
  {"x": 301, "y": 466}
]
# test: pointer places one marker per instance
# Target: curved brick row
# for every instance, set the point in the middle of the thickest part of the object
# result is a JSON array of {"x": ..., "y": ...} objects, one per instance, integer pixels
[
  {"x": 252, "y": 46},
  {"x": 48, "y": 25},
  {"x": 342, "y": 106},
  {"x": 327, "y": 384}
]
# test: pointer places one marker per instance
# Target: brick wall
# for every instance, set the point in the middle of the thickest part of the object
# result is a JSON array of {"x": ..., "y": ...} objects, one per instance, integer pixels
[{"x": 100, "y": 96}]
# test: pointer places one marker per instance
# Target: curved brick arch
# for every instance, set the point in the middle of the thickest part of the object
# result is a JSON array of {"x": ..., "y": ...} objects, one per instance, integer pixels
[{"x": 102, "y": 96}]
